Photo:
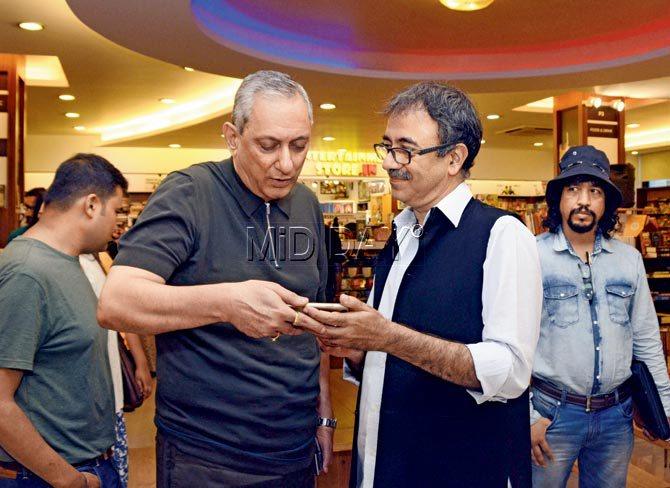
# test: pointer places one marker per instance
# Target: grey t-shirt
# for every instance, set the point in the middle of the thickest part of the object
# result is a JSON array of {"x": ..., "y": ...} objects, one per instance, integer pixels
[
  {"x": 247, "y": 404},
  {"x": 48, "y": 330}
]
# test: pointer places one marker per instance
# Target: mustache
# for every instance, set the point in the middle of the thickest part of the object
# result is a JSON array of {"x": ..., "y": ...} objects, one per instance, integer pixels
[
  {"x": 582, "y": 209},
  {"x": 399, "y": 174}
]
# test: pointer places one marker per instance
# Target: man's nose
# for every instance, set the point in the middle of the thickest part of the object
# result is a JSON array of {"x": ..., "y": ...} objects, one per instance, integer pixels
[
  {"x": 584, "y": 197},
  {"x": 390, "y": 163},
  {"x": 285, "y": 160}
]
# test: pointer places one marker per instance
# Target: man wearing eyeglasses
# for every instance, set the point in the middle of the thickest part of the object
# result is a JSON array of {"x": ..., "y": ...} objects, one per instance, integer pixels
[
  {"x": 597, "y": 314},
  {"x": 451, "y": 325}
]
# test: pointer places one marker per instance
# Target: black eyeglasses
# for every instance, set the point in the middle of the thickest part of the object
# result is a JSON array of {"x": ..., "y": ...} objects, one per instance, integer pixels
[
  {"x": 587, "y": 280},
  {"x": 403, "y": 155}
]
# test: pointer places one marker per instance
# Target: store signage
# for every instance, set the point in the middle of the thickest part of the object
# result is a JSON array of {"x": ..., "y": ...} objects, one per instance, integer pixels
[
  {"x": 602, "y": 114},
  {"x": 342, "y": 157},
  {"x": 345, "y": 169},
  {"x": 602, "y": 130}
]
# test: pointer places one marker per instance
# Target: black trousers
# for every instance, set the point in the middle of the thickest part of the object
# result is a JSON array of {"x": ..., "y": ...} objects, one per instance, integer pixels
[{"x": 175, "y": 469}]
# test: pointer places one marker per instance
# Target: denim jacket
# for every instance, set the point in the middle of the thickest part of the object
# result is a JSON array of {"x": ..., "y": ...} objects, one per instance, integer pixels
[{"x": 586, "y": 346}]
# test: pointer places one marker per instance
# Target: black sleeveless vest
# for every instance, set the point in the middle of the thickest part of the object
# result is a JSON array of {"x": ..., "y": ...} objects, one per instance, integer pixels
[{"x": 432, "y": 433}]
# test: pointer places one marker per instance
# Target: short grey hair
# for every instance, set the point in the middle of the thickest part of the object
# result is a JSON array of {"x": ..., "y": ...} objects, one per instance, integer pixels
[
  {"x": 456, "y": 116},
  {"x": 267, "y": 83}
]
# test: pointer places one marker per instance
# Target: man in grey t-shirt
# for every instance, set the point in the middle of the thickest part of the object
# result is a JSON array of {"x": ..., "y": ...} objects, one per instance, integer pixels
[{"x": 56, "y": 398}]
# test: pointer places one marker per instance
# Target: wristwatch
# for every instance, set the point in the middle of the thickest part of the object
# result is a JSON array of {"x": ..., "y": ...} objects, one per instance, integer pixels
[{"x": 322, "y": 422}]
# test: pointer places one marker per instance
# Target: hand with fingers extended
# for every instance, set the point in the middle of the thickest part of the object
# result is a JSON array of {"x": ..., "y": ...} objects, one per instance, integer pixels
[
  {"x": 539, "y": 447},
  {"x": 362, "y": 328},
  {"x": 262, "y": 309}
]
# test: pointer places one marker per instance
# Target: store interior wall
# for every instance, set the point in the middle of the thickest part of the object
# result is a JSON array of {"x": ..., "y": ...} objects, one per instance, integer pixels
[
  {"x": 45, "y": 152},
  {"x": 655, "y": 166}
]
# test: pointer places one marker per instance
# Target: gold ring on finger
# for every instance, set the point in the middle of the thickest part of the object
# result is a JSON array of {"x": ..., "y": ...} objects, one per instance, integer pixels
[{"x": 295, "y": 320}]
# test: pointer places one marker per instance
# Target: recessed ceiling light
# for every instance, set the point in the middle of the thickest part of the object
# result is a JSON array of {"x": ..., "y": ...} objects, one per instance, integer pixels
[
  {"x": 66, "y": 98},
  {"x": 483, "y": 141},
  {"x": 493, "y": 116},
  {"x": 538, "y": 144},
  {"x": 329, "y": 138},
  {"x": 72, "y": 115},
  {"x": 167, "y": 101},
  {"x": 31, "y": 26},
  {"x": 188, "y": 68},
  {"x": 466, "y": 5},
  {"x": 175, "y": 146},
  {"x": 79, "y": 127},
  {"x": 635, "y": 153},
  {"x": 223, "y": 135},
  {"x": 327, "y": 106},
  {"x": 632, "y": 126},
  {"x": 596, "y": 102}
]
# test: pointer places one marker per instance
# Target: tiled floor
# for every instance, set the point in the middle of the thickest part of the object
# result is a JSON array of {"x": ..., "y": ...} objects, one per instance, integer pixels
[{"x": 646, "y": 470}]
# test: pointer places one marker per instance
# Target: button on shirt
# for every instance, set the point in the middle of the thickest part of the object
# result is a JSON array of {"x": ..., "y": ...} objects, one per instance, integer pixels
[
  {"x": 511, "y": 297},
  {"x": 587, "y": 346}
]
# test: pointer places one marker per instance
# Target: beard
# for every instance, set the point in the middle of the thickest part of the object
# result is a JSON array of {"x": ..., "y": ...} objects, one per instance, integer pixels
[{"x": 578, "y": 227}]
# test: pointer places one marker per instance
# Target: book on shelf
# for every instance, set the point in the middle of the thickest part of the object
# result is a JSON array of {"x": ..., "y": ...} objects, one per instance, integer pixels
[{"x": 530, "y": 211}]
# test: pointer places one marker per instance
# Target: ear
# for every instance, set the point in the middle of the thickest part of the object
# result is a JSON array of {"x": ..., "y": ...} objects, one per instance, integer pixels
[
  {"x": 92, "y": 205},
  {"x": 231, "y": 135},
  {"x": 458, "y": 156}
]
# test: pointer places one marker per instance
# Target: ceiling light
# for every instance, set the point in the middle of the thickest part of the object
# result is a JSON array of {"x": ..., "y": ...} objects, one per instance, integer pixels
[
  {"x": 66, "y": 98},
  {"x": 31, "y": 26},
  {"x": 72, "y": 115},
  {"x": 632, "y": 126},
  {"x": 175, "y": 146},
  {"x": 79, "y": 128},
  {"x": 635, "y": 153},
  {"x": 45, "y": 71},
  {"x": 188, "y": 68},
  {"x": 167, "y": 101},
  {"x": 483, "y": 141},
  {"x": 329, "y": 138},
  {"x": 538, "y": 144},
  {"x": 466, "y": 5},
  {"x": 327, "y": 106},
  {"x": 215, "y": 103},
  {"x": 223, "y": 135},
  {"x": 596, "y": 102},
  {"x": 619, "y": 105},
  {"x": 493, "y": 116}
]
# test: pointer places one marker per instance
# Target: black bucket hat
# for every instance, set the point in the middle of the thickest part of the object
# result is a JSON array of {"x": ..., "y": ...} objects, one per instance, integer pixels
[{"x": 584, "y": 161}]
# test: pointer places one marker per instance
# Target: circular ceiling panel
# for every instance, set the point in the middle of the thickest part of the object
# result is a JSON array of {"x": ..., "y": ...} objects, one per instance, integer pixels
[{"x": 416, "y": 39}]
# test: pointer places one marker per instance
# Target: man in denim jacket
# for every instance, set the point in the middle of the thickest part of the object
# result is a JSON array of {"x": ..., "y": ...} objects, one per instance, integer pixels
[{"x": 597, "y": 315}]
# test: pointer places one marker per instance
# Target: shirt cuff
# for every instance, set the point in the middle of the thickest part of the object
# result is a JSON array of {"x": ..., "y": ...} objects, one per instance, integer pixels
[
  {"x": 348, "y": 375},
  {"x": 493, "y": 363}
]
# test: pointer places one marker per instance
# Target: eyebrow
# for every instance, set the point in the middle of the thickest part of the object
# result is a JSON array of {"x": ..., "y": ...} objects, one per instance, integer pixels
[
  {"x": 274, "y": 139},
  {"x": 404, "y": 140}
]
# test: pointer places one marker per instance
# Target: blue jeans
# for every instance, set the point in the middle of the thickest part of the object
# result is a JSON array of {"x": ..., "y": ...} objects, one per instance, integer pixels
[
  {"x": 109, "y": 478},
  {"x": 601, "y": 442}
]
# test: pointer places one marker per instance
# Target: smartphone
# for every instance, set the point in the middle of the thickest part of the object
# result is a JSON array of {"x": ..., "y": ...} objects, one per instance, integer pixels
[{"x": 329, "y": 307}]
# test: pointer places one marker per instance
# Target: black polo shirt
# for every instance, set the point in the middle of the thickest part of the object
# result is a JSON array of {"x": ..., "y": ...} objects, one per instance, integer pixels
[{"x": 244, "y": 403}]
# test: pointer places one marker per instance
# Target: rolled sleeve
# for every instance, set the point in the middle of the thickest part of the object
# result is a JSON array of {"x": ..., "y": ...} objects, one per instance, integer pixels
[
  {"x": 512, "y": 307},
  {"x": 165, "y": 233}
]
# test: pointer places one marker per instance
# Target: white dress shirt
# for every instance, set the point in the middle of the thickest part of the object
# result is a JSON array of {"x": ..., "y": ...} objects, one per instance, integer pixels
[{"x": 512, "y": 306}]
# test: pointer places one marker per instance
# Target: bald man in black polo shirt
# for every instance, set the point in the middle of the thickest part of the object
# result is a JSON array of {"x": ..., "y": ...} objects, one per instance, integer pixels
[{"x": 214, "y": 265}]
